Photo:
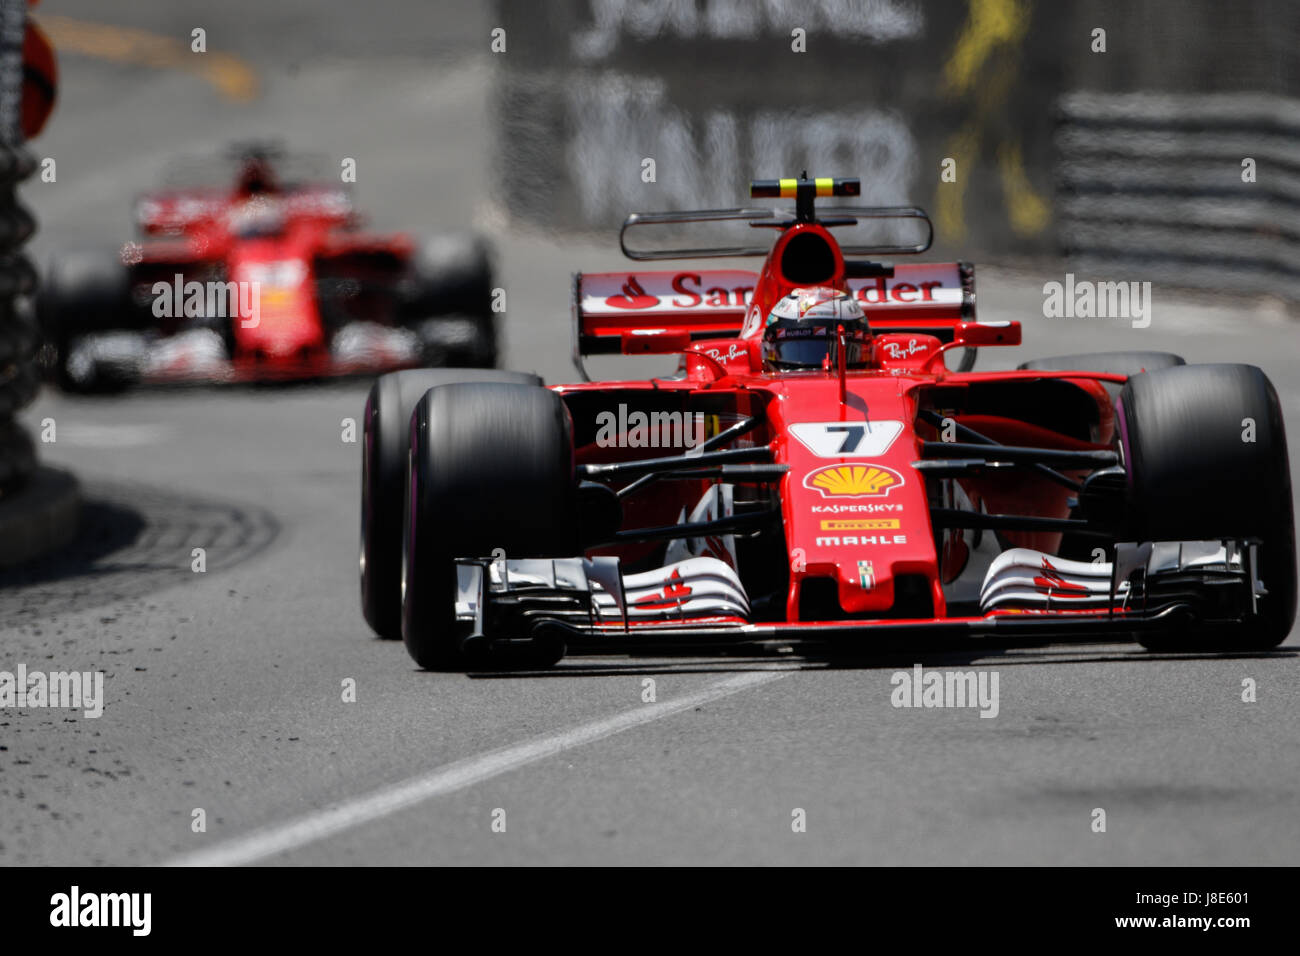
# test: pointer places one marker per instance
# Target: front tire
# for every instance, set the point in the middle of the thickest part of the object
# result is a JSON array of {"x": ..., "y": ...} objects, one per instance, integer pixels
[
  {"x": 1205, "y": 451},
  {"x": 84, "y": 292},
  {"x": 491, "y": 467},
  {"x": 385, "y": 437}
]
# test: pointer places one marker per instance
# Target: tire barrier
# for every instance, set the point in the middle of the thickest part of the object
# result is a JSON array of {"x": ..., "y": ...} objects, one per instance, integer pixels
[
  {"x": 39, "y": 506},
  {"x": 19, "y": 376}
]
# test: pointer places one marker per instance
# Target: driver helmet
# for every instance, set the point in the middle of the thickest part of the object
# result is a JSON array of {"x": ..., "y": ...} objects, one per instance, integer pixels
[
  {"x": 257, "y": 176},
  {"x": 800, "y": 332}
]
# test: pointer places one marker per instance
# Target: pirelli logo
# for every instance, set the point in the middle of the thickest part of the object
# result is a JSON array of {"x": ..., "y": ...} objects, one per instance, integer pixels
[{"x": 861, "y": 524}]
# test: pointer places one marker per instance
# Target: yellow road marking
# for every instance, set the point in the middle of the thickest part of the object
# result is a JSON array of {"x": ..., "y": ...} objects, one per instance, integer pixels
[
  {"x": 231, "y": 76},
  {"x": 982, "y": 71},
  {"x": 992, "y": 23},
  {"x": 1028, "y": 212}
]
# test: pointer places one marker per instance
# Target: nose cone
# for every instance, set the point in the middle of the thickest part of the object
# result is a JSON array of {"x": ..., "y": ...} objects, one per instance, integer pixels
[
  {"x": 852, "y": 502},
  {"x": 277, "y": 315}
]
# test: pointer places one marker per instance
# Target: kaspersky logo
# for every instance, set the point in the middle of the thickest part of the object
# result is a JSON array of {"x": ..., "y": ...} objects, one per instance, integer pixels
[
  {"x": 634, "y": 297},
  {"x": 853, "y": 481}
]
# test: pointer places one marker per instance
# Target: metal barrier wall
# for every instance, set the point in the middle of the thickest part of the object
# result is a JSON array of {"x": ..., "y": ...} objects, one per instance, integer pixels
[{"x": 1200, "y": 190}]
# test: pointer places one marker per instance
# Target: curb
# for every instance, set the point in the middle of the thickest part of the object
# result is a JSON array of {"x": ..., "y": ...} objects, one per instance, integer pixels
[{"x": 40, "y": 517}]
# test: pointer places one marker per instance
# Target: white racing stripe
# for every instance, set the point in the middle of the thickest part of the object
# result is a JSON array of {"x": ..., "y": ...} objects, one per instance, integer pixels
[{"x": 348, "y": 814}]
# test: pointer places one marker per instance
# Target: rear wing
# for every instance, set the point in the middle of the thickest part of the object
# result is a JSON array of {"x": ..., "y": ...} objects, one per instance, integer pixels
[
  {"x": 610, "y": 307},
  {"x": 708, "y": 305}
]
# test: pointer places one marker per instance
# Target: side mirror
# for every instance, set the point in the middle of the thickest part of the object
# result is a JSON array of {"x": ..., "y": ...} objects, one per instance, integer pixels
[
  {"x": 980, "y": 334},
  {"x": 976, "y": 335}
]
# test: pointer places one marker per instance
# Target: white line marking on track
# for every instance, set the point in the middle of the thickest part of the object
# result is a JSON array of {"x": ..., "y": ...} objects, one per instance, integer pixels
[
  {"x": 95, "y": 435},
  {"x": 335, "y": 819}
]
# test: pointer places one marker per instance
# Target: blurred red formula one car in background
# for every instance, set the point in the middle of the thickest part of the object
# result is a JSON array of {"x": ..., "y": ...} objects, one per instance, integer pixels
[{"x": 261, "y": 272}]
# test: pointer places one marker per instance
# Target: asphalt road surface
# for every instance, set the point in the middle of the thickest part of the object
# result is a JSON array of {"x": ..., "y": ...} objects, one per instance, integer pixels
[{"x": 225, "y": 689}]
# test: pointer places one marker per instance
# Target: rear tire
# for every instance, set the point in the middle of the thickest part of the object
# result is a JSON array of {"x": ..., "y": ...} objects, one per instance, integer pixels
[
  {"x": 450, "y": 300},
  {"x": 1116, "y": 363},
  {"x": 1199, "y": 470},
  {"x": 491, "y": 466},
  {"x": 1119, "y": 363},
  {"x": 386, "y": 433},
  {"x": 458, "y": 341}
]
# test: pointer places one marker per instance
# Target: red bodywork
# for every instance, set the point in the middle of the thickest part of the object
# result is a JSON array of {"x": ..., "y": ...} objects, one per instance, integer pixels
[
  {"x": 301, "y": 246},
  {"x": 860, "y": 524}
]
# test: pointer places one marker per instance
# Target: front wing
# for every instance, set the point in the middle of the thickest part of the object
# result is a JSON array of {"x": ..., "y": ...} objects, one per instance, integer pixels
[
  {"x": 589, "y": 603},
  {"x": 200, "y": 357}
]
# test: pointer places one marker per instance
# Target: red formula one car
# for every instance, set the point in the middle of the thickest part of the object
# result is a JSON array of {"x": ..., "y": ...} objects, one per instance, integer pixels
[
  {"x": 816, "y": 472},
  {"x": 266, "y": 276}
]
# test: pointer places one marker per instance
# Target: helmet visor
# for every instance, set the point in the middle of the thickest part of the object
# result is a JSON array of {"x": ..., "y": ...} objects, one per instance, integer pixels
[{"x": 798, "y": 353}]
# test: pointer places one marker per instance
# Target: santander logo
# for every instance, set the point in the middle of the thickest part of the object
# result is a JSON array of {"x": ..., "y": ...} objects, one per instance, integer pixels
[{"x": 634, "y": 297}]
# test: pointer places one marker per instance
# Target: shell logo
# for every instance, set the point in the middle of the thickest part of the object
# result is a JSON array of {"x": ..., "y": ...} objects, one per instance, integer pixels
[{"x": 853, "y": 481}]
